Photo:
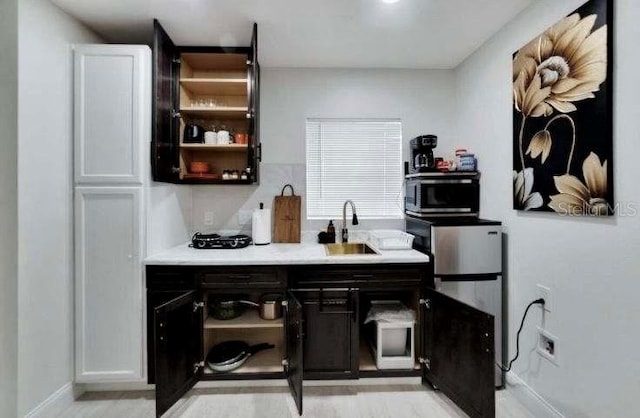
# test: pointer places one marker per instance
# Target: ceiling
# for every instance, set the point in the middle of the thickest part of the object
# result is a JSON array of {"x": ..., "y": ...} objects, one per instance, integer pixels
[{"x": 312, "y": 33}]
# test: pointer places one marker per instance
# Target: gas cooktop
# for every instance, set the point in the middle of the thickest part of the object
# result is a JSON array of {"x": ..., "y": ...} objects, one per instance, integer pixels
[{"x": 211, "y": 241}]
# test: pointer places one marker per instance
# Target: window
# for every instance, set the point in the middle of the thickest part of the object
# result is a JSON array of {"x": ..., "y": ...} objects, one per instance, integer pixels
[{"x": 357, "y": 159}]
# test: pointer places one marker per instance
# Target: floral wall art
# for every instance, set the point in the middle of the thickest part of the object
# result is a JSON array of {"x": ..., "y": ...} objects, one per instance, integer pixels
[{"x": 562, "y": 116}]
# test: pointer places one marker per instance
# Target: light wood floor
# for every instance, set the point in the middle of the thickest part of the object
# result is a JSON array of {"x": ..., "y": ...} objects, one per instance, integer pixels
[{"x": 404, "y": 401}]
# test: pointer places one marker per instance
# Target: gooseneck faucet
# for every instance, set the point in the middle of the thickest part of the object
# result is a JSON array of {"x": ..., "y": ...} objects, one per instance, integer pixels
[{"x": 354, "y": 220}]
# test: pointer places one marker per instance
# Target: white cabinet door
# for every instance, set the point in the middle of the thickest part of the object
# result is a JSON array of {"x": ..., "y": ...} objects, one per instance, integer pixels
[
  {"x": 112, "y": 112},
  {"x": 108, "y": 284}
]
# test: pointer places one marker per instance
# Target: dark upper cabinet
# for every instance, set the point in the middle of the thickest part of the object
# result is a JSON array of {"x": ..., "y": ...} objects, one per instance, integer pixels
[
  {"x": 178, "y": 349},
  {"x": 459, "y": 353},
  {"x": 164, "y": 147},
  {"x": 214, "y": 88},
  {"x": 253, "y": 87}
]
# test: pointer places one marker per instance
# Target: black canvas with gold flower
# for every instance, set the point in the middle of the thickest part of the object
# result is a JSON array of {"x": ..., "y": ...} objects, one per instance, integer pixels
[{"x": 562, "y": 116}]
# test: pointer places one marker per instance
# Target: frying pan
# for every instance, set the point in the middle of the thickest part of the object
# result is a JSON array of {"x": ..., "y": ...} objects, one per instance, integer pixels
[{"x": 230, "y": 355}]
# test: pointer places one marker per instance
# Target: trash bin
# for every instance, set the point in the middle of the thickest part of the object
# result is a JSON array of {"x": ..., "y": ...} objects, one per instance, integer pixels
[{"x": 393, "y": 343}]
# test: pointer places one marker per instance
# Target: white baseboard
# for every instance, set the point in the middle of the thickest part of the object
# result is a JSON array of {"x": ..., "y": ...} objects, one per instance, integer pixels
[
  {"x": 55, "y": 404},
  {"x": 530, "y": 399},
  {"x": 116, "y": 386}
]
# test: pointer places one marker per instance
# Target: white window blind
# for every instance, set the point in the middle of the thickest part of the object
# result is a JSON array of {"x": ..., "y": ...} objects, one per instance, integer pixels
[{"x": 357, "y": 159}]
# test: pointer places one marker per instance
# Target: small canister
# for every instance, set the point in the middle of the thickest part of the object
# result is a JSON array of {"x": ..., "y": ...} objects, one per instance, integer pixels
[{"x": 223, "y": 137}]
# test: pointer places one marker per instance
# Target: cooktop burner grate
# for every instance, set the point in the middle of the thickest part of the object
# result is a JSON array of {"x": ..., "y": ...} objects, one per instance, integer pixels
[{"x": 217, "y": 241}]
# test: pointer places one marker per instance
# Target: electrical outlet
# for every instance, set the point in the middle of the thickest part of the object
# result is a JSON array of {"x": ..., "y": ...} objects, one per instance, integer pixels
[
  {"x": 545, "y": 293},
  {"x": 244, "y": 217},
  {"x": 547, "y": 346},
  {"x": 208, "y": 218}
]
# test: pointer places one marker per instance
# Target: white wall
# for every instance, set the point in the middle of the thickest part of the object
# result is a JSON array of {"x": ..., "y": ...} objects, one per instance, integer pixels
[
  {"x": 168, "y": 216},
  {"x": 8, "y": 207},
  {"x": 591, "y": 265},
  {"x": 45, "y": 199},
  {"x": 424, "y": 100}
]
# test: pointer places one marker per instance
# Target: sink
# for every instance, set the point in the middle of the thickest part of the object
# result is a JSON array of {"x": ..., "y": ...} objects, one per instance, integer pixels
[{"x": 350, "y": 248}]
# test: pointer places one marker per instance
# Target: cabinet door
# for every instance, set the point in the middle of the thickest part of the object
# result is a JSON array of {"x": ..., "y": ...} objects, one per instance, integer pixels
[
  {"x": 111, "y": 112},
  {"x": 294, "y": 335},
  {"x": 164, "y": 139},
  {"x": 178, "y": 349},
  {"x": 164, "y": 283},
  {"x": 331, "y": 333},
  {"x": 459, "y": 353},
  {"x": 108, "y": 284},
  {"x": 253, "y": 87}
]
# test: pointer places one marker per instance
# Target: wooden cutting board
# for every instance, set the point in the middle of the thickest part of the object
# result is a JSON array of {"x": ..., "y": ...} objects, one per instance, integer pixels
[{"x": 286, "y": 217}]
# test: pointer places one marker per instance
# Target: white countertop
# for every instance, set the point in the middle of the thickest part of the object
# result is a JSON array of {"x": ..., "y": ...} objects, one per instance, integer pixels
[{"x": 275, "y": 254}]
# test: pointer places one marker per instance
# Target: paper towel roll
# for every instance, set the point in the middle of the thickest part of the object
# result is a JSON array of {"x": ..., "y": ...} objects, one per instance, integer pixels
[{"x": 261, "y": 226}]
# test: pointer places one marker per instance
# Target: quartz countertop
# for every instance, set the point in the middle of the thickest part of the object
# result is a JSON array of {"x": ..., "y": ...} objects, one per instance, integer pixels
[{"x": 277, "y": 254}]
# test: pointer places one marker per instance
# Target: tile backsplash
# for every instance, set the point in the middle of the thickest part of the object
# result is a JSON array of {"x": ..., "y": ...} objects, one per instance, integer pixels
[{"x": 226, "y": 202}]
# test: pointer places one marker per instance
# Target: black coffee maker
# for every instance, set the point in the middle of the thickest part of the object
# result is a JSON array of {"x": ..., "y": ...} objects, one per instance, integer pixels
[{"x": 422, "y": 159}]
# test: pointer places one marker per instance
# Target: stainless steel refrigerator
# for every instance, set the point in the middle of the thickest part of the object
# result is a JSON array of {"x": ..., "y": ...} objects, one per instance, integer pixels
[{"x": 467, "y": 262}]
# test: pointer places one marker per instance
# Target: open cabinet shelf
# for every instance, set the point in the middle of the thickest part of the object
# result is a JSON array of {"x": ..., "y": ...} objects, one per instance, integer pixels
[
  {"x": 216, "y": 86},
  {"x": 238, "y": 112},
  {"x": 268, "y": 361},
  {"x": 247, "y": 328},
  {"x": 368, "y": 363},
  {"x": 195, "y": 64},
  {"x": 249, "y": 319},
  {"x": 215, "y": 147}
]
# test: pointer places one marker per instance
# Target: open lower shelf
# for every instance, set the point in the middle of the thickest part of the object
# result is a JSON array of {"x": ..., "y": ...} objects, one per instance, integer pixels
[
  {"x": 268, "y": 361},
  {"x": 368, "y": 363},
  {"x": 215, "y": 147},
  {"x": 249, "y": 319}
]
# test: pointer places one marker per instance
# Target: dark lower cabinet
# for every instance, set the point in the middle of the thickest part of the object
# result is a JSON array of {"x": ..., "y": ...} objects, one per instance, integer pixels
[
  {"x": 294, "y": 324},
  {"x": 178, "y": 349},
  {"x": 331, "y": 333},
  {"x": 459, "y": 353},
  {"x": 321, "y": 329}
]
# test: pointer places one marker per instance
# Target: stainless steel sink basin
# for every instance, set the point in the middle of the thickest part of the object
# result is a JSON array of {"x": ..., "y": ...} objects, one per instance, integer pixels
[{"x": 350, "y": 248}]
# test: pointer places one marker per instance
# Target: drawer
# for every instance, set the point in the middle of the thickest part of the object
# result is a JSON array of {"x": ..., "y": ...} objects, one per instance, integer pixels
[
  {"x": 170, "y": 278},
  {"x": 359, "y": 277},
  {"x": 241, "y": 278}
]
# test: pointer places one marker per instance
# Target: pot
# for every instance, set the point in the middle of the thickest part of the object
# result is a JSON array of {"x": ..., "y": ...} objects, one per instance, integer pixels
[
  {"x": 271, "y": 306},
  {"x": 230, "y": 355},
  {"x": 229, "y": 308}
]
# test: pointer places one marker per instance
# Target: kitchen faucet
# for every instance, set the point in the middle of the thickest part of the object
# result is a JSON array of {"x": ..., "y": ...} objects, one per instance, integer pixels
[{"x": 354, "y": 221}]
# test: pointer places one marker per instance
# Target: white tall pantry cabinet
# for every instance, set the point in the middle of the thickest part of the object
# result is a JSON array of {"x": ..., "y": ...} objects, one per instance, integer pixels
[{"x": 112, "y": 117}]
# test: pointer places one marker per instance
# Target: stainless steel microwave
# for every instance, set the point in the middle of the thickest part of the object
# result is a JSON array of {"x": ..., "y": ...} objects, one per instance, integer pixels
[{"x": 429, "y": 195}]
